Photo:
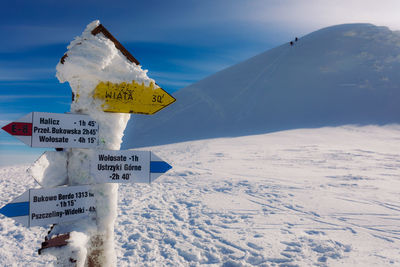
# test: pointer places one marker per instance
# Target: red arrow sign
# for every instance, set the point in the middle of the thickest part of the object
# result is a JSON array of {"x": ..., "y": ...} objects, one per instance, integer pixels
[
  {"x": 42, "y": 129},
  {"x": 19, "y": 128}
]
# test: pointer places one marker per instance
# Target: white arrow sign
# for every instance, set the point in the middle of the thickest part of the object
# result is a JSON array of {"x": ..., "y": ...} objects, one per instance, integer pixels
[
  {"x": 38, "y": 207},
  {"x": 126, "y": 166},
  {"x": 41, "y": 129},
  {"x": 106, "y": 166}
]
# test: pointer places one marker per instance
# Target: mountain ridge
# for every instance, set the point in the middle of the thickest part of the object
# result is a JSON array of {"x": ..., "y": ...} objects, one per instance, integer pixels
[{"x": 343, "y": 74}]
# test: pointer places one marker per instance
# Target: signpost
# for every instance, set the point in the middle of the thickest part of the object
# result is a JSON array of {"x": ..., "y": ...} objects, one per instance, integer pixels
[
  {"x": 77, "y": 165},
  {"x": 40, "y": 129},
  {"x": 38, "y": 207},
  {"x": 106, "y": 166},
  {"x": 132, "y": 97}
]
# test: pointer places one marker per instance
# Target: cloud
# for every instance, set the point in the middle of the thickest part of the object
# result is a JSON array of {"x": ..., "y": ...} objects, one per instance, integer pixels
[
  {"x": 23, "y": 36},
  {"x": 192, "y": 71},
  {"x": 6, "y": 118},
  {"x": 24, "y": 74},
  {"x": 203, "y": 66},
  {"x": 190, "y": 21},
  {"x": 4, "y": 122},
  {"x": 6, "y": 98},
  {"x": 213, "y": 21},
  {"x": 218, "y": 21},
  {"x": 309, "y": 15},
  {"x": 172, "y": 86},
  {"x": 11, "y": 157},
  {"x": 4, "y": 143},
  {"x": 172, "y": 81},
  {"x": 175, "y": 76}
]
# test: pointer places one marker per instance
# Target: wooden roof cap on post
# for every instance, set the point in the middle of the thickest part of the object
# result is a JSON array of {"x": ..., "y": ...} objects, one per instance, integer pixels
[{"x": 118, "y": 45}]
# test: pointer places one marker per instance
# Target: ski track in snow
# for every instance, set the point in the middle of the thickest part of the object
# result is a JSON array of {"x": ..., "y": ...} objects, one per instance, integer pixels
[{"x": 311, "y": 197}]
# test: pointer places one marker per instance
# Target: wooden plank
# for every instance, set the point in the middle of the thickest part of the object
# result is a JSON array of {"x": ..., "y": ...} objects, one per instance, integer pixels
[
  {"x": 54, "y": 242},
  {"x": 118, "y": 45}
]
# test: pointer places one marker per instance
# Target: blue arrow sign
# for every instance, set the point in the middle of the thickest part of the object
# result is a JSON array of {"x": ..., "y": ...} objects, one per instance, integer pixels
[
  {"x": 15, "y": 209},
  {"x": 159, "y": 167},
  {"x": 37, "y": 207},
  {"x": 18, "y": 209}
]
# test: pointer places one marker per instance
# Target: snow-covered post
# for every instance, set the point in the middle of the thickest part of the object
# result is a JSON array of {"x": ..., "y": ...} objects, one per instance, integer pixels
[{"x": 92, "y": 58}]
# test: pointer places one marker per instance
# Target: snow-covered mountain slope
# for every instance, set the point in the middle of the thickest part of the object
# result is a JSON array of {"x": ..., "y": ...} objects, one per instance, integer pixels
[
  {"x": 307, "y": 197},
  {"x": 346, "y": 74}
]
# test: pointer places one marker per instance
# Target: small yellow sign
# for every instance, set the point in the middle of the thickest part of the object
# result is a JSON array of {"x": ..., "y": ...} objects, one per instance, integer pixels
[{"x": 132, "y": 97}]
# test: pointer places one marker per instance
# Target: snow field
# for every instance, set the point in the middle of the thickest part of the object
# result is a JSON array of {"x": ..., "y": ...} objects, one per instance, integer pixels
[
  {"x": 323, "y": 197},
  {"x": 297, "y": 198}
]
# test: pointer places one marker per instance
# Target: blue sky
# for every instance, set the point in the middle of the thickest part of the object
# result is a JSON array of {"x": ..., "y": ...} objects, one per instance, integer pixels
[{"x": 179, "y": 42}]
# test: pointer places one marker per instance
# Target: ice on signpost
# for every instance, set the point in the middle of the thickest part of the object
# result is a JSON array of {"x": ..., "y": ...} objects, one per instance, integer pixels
[
  {"x": 96, "y": 57},
  {"x": 50, "y": 169}
]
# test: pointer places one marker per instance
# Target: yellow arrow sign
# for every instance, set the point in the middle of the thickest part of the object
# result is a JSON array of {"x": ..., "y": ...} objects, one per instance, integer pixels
[{"x": 132, "y": 97}]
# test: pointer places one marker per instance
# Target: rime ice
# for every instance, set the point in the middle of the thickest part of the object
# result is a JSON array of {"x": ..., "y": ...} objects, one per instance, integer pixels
[{"x": 90, "y": 60}]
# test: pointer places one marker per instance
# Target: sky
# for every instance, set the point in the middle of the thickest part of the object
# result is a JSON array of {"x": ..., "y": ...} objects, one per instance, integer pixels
[{"x": 178, "y": 42}]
